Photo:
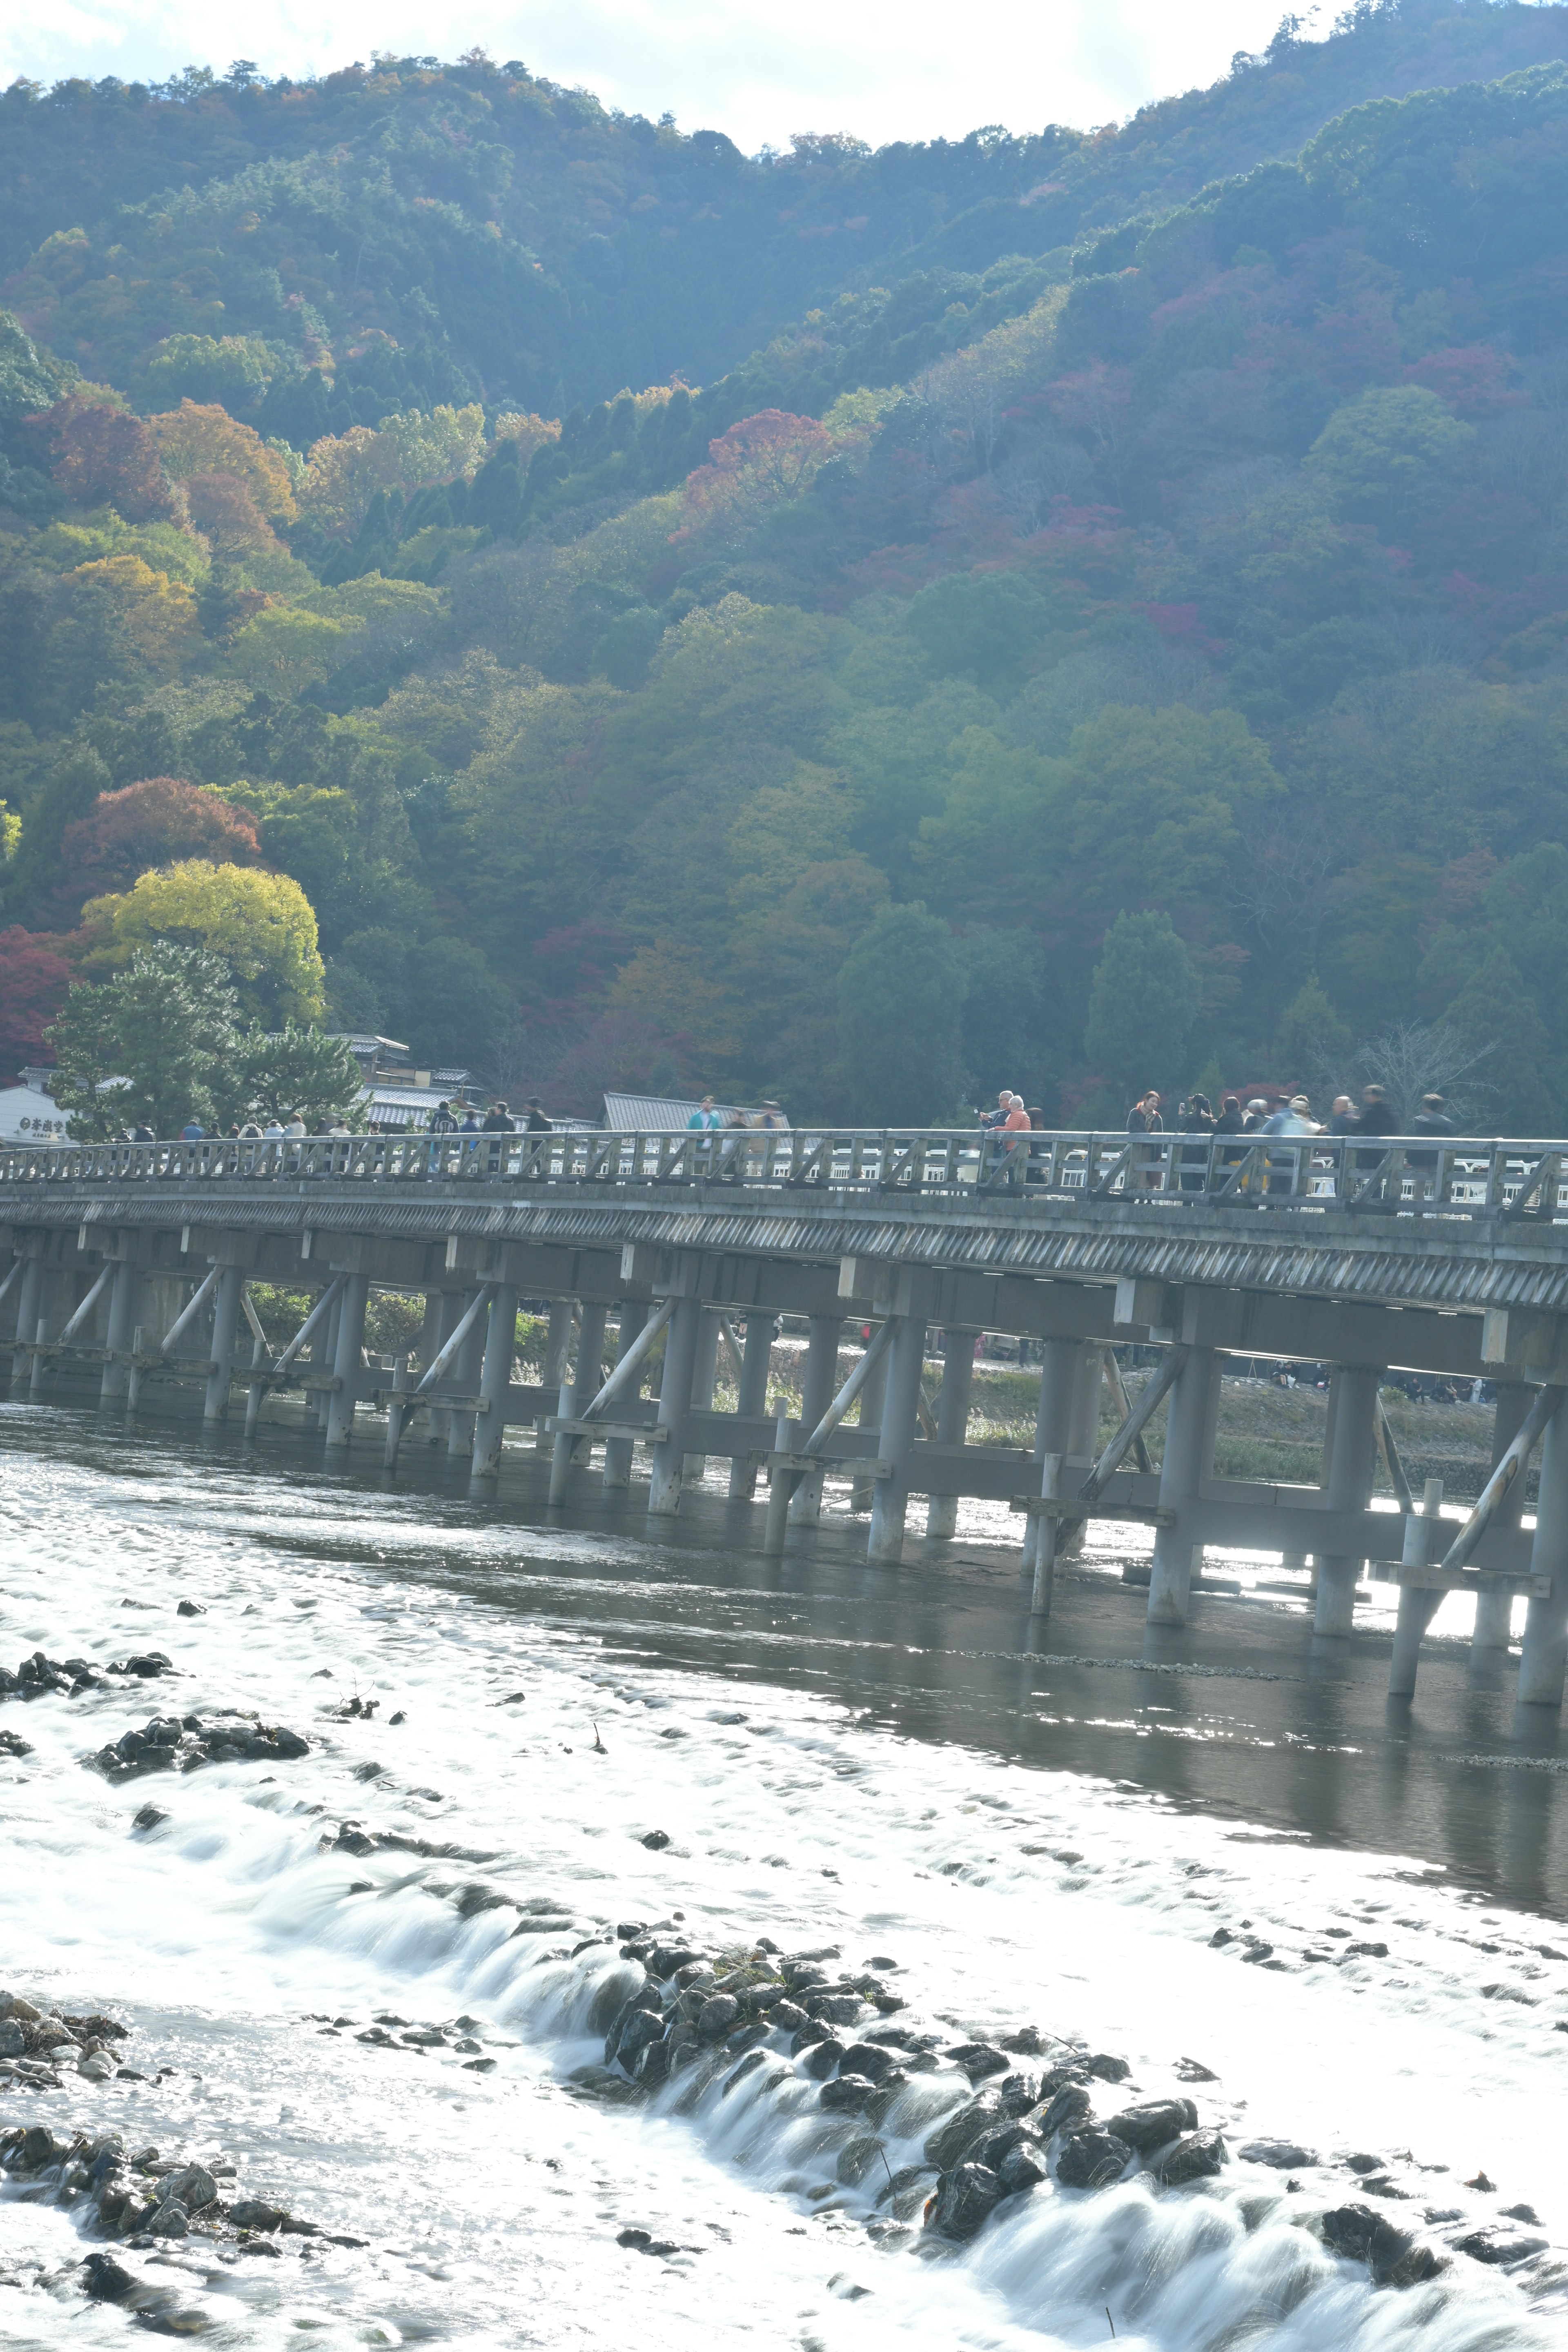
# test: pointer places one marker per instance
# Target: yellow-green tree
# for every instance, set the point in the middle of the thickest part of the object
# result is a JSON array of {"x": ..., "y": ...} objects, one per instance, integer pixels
[{"x": 262, "y": 925}]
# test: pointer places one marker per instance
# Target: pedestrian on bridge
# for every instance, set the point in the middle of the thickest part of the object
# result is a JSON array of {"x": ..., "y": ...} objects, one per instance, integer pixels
[{"x": 1144, "y": 1119}]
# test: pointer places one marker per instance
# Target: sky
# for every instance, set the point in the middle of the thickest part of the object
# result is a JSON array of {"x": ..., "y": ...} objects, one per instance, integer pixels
[{"x": 881, "y": 68}]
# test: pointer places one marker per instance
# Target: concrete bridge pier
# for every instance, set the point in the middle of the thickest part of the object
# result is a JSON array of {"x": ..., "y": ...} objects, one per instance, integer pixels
[
  {"x": 326, "y": 1357},
  {"x": 124, "y": 1305},
  {"x": 226, "y": 1327},
  {"x": 1189, "y": 1451},
  {"x": 465, "y": 1367},
  {"x": 873, "y": 1403},
  {"x": 30, "y": 1307},
  {"x": 752, "y": 1403},
  {"x": 557, "y": 1352},
  {"x": 501, "y": 1346},
  {"x": 1494, "y": 1610},
  {"x": 588, "y": 1374},
  {"x": 1352, "y": 1447},
  {"x": 900, "y": 1418},
  {"x": 1545, "y": 1652},
  {"x": 450, "y": 1312},
  {"x": 951, "y": 1423},
  {"x": 819, "y": 1386},
  {"x": 1065, "y": 1370},
  {"x": 682, "y": 1335},
  {"x": 703, "y": 1379},
  {"x": 619, "y": 1451},
  {"x": 354, "y": 1300}
]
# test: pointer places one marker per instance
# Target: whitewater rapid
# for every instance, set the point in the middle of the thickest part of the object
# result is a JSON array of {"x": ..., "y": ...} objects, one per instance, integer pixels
[{"x": 545, "y": 1749}]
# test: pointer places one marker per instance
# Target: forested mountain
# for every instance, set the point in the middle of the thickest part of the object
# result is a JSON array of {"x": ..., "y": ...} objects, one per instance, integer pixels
[{"x": 1128, "y": 645}]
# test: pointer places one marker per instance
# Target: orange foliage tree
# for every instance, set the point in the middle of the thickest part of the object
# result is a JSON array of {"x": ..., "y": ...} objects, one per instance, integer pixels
[
  {"x": 101, "y": 455},
  {"x": 758, "y": 464},
  {"x": 156, "y": 822}
]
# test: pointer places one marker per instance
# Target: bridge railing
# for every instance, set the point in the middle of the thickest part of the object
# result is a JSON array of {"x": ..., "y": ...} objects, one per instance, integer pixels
[{"x": 1422, "y": 1175}]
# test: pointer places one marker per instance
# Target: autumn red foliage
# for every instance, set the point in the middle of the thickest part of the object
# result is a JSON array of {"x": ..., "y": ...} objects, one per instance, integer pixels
[
  {"x": 101, "y": 455},
  {"x": 151, "y": 823},
  {"x": 34, "y": 978}
]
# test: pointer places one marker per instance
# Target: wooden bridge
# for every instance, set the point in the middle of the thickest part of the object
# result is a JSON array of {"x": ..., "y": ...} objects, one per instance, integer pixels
[{"x": 125, "y": 1271}]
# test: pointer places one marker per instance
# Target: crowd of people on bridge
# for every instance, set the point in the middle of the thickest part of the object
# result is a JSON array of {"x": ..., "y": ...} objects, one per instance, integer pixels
[{"x": 1373, "y": 1117}]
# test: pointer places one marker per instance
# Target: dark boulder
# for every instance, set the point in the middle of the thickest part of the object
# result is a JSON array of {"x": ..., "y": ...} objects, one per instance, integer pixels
[
  {"x": 996, "y": 2145},
  {"x": 1152, "y": 2122},
  {"x": 866, "y": 2058},
  {"x": 1394, "y": 2257},
  {"x": 1197, "y": 2156},
  {"x": 106, "y": 2281},
  {"x": 824, "y": 2059},
  {"x": 978, "y": 2060},
  {"x": 1023, "y": 2167},
  {"x": 252, "y": 2213},
  {"x": 963, "y": 2199},
  {"x": 1064, "y": 2112},
  {"x": 849, "y": 2091},
  {"x": 954, "y": 2137},
  {"x": 1091, "y": 2159},
  {"x": 1279, "y": 2155},
  {"x": 1498, "y": 2246}
]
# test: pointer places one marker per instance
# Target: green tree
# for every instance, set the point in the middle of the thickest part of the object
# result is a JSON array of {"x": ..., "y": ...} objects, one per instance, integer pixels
[
  {"x": 1311, "y": 1042},
  {"x": 1143, "y": 1003},
  {"x": 1381, "y": 450},
  {"x": 69, "y": 791},
  {"x": 1496, "y": 1016},
  {"x": 148, "y": 1047},
  {"x": 901, "y": 1003},
  {"x": 1004, "y": 1037},
  {"x": 275, "y": 1071}
]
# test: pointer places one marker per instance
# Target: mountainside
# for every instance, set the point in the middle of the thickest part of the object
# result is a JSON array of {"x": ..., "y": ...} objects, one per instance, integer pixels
[
  {"x": 1144, "y": 662},
  {"x": 431, "y": 232}
]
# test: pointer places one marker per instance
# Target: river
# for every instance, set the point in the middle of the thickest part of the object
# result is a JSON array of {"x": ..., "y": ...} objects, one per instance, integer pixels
[{"x": 1218, "y": 1859}]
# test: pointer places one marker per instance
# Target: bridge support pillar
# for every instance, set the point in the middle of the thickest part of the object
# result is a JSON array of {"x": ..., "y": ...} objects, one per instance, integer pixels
[
  {"x": 353, "y": 1299},
  {"x": 819, "y": 1386},
  {"x": 703, "y": 1379},
  {"x": 618, "y": 1451},
  {"x": 588, "y": 1376},
  {"x": 324, "y": 1355},
  {"x": 465, "y": 1376},
  {"x": 952, "y": 1423},
  {"x": 900, "y": 1418},
  {"x": 448, "y": 1309},
  {"x": 1353, "y": 1445},
  {"x": 124, "y": 1298},
  {"x": 1540, "y": 1668},
  {"x": 557, "y": 1344},
  {"x": 225, "y": 1323},
  {"x": 681, "y": 1337},
  {"x": 873, "y": 1405},
  {"x": 1189, "y": 1448},
  {"x": 1417, "y": 1609},
  {"x": 30, "y": 1307},
  {"x": 500, "y": 1346},
  {"x": 1064, "y": 1369},
  {"x": 1494, "y": 1610},
  {"x": 752, "y": 1403}
]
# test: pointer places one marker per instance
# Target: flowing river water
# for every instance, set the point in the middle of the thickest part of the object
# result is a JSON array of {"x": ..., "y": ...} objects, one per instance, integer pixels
[{"x": 1217, "y": 1856}]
